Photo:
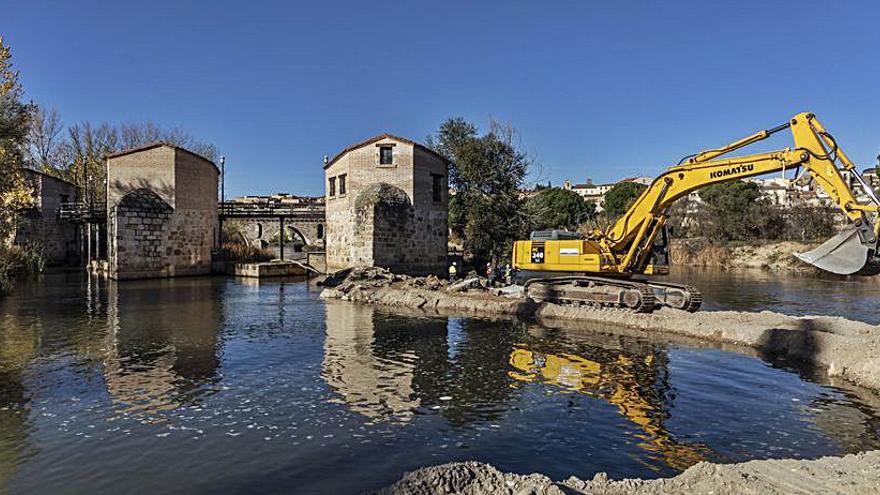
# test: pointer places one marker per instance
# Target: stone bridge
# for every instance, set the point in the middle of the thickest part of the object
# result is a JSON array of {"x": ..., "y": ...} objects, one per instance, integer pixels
[{"x": 261, "y": 225}]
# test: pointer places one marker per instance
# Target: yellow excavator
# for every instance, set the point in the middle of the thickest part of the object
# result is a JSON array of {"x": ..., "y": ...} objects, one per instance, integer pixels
[{"x": 607, "y": 268}]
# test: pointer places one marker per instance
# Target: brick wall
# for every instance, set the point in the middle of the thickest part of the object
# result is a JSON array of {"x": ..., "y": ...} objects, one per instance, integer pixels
[
  {"x": 163, "y": 216},
  {"x": 379, "y": 233}
]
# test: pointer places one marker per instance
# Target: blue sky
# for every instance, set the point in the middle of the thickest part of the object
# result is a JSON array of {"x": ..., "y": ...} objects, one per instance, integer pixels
[{"x": 597, "y": 89}]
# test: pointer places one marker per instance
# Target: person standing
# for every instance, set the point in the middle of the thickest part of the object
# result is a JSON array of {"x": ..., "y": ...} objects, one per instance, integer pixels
[{"x": 453, "y": 272}]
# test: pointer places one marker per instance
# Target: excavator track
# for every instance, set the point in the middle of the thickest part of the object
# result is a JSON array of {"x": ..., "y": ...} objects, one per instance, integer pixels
[
  {"x": 637, "y": 297},
  {"x": 679, "y": 296}
]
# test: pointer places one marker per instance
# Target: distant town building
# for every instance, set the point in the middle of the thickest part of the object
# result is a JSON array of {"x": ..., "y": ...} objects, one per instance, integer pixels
[
  {"x": 286, "y": 199},
  {"x": 162, "y": 212},
  {"x": 595, "y": 193},
  {"x": 386, "y": 203},
  {"x": 41, "y": 225}
]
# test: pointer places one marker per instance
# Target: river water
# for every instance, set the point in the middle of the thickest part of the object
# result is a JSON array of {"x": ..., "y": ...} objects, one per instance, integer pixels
[{"x": 205, "y": 385}]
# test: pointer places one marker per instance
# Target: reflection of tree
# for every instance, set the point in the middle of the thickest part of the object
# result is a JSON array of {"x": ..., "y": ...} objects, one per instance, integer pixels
[
  {"x": 163, "y": 345},
  {"x": 19, "y": 342},
  {"x": 476, "y": 376},
  {"x": 629, "y": 374}
]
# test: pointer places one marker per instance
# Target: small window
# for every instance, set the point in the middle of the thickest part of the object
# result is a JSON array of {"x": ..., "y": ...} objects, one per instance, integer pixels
[
  {"x": 437, "y": 187},
  {"x": 332, "y": 186},
  {"x": 342, "y": 184},
  {"x": 386, "y": 155},
  {"x": 320, "y": 231}
]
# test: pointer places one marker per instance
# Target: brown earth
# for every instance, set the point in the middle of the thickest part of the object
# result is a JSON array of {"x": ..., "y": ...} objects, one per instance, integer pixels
[
  {"x": 768, "y": 256},
  {"x": 850, "y": 474}
]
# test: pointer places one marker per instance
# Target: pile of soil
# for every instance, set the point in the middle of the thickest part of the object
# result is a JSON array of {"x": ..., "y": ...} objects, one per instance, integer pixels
[{"x": 851, "y": 474}]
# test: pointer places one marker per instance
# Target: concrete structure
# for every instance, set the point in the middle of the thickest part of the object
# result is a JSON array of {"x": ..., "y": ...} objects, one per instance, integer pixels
[
  {"x": 387, "y": 203},
  {"x": 162, "y": 212},
  {"x": 41, "y": 224}
]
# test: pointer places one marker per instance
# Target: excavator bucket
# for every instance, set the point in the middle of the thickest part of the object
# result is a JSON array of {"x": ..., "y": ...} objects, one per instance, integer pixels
[{"x": 843, "y": 254}]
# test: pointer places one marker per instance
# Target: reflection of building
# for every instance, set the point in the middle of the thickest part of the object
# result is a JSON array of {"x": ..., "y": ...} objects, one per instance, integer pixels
[
  {"x": 385, "y": 366},
  {"x": 163, "y": 344},
  {"x": 633, "y": 378},
  {"x": 379, "y": 387}
]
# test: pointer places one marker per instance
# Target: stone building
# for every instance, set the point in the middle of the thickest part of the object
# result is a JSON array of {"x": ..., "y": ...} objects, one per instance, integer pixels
[
  {"x": 386, "y": 203},
  {"x": 41, "y": 225},
  {"x": 162, "y": 212}
]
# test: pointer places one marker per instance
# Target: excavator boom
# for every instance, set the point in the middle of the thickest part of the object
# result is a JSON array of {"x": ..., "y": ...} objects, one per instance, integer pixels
[{"x": 628, "y": 247}]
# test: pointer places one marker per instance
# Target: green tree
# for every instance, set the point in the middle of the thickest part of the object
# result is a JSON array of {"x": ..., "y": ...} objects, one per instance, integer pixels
[
  {"x": 486, "y": 174},
  {"x": 15, "y": 117},
  {"x": 554, "y": 208},
  {"x": 15, "y": 195},
  {"x": 621, "y": 197},
  {"x": 735, "y": 210}
]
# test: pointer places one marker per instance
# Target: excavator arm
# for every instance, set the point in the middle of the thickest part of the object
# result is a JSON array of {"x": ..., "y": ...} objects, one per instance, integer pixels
[
  {"x": 629, "y": 241},
  {"x": 601, "y": 268}
]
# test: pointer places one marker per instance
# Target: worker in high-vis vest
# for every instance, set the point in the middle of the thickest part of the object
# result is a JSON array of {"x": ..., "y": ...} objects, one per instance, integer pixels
[{"x": 453, "y": 272}]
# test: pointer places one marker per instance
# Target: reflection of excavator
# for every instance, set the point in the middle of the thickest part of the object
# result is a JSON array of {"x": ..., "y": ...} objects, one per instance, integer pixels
[
  {"x": 624, "y": 382},
  {"x": 636, "y": 243}
]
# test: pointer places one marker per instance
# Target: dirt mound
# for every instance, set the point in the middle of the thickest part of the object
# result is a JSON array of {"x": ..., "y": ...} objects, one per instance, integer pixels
[{"x": 851, "y": 474}]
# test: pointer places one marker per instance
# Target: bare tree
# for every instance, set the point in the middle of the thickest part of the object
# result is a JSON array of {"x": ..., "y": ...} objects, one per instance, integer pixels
[
  {"x": 134, "y": 134},
  {"x": 44, "y": 139}
]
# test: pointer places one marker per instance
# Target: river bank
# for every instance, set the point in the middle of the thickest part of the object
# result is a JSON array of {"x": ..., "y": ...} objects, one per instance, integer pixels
[
  {"x": 850, "y": 474},
  {"x": 834, "y": 345},
  {"x": 766, "y": 256}
]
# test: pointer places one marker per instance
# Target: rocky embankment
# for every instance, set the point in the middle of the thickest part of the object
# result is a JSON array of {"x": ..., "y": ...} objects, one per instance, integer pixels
[{"x": 851, "y": 474}]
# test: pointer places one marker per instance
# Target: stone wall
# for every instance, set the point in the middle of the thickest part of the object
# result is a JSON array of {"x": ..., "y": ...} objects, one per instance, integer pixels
[
  {"x": 163, "y": 215},
  {"x": 138, "y": 226},
  {"x": 151, "y": 169},
  {"x": 382, "y": 232},
  {"x": 264, "y": 231},
  {"x": 57, "y": 239}
]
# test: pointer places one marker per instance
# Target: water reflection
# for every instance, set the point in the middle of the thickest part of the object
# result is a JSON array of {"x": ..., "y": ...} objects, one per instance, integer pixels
[
  {"x": 387, "y": 366},
  {"x": 138, "y": 385},
  {"x": 785, "y": 292},
  {"x": 162, "y": 346},
  {"x": 631, "y": 375},
  {"x": 374, "y": 379},
  {"x": 18, "y": 345}
]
